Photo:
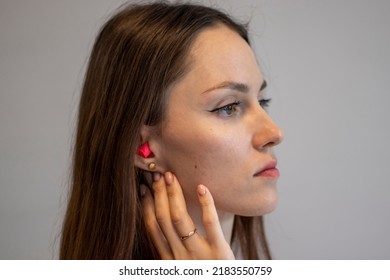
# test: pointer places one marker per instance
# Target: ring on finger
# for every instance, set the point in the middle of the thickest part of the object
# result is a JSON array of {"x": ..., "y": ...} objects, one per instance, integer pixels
[{"x": 191, "y": 233}]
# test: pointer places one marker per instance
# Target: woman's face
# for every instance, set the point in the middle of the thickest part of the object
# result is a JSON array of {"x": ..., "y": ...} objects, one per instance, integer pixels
[{"x": 216, "y": 132}]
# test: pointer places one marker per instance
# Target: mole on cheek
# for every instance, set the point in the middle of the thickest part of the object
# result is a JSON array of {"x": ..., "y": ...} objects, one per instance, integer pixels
[{"x": 195, "y": 166}]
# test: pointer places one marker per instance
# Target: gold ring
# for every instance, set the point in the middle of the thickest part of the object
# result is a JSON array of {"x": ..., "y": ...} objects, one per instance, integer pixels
[{"x": 191, "y": 233}]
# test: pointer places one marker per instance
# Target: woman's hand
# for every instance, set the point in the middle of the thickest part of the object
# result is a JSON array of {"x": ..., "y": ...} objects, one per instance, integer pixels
[{"x": 172, "y": 229}]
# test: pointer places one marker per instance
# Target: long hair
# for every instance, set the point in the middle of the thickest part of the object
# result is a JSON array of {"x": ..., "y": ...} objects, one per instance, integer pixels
[{"x": 137, "y": 55}]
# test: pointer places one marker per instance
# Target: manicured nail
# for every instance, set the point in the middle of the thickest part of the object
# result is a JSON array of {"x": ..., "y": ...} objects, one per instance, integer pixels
[
  {"x": 169, "y": 178},
  {"x": 201, "y": 190},
  {"x": 156, "y": 176},
  {"x": 143, "y": 190}
]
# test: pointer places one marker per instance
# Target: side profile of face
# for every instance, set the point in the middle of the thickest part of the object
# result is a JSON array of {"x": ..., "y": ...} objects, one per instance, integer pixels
[{"x": 216, "y": 131}]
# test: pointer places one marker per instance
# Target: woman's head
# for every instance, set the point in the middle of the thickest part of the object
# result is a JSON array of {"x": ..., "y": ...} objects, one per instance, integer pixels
[
  {"x": 147, "y": 69},
  {"x": 215, "y": 130}
]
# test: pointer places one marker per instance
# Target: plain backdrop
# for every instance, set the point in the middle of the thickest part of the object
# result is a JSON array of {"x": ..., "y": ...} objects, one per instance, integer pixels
[{"x": 327, "y": 64}]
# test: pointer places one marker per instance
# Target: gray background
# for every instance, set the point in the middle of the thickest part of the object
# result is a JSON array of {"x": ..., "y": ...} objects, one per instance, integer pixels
[{"x": 326, "y": 63}]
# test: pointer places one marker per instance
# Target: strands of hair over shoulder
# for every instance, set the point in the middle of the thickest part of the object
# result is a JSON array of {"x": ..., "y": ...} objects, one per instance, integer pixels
[{"x": 137, "y": 55}]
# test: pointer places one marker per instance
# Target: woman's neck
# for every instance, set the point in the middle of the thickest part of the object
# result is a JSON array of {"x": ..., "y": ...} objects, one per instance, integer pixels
[{"x": 226, "y": 221}]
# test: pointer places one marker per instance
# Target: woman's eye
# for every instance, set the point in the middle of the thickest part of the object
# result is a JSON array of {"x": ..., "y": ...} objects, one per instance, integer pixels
[
  {"x": 227, "y": 110},
  {"x": 264, "y": 103}
]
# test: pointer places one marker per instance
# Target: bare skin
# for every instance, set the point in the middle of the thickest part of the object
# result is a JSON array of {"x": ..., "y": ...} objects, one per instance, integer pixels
[
  {"x": 166, "y": 215},
  {"x": 216, "y": 133}
]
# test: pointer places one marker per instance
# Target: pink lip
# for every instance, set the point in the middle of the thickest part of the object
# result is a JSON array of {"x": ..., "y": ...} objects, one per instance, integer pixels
[{"x": 268, "y": 170}]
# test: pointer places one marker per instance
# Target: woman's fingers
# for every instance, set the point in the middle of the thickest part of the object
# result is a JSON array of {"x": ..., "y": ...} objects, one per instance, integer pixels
[
  {"x": 178, "y": 210},
  {"x": 152, "y": 225},
  {"x": 162, "y": 213},
  {"x": 210, "y": 219},
  {"x": 212, "y": 227},
  {"x": 172, "y": 229}
]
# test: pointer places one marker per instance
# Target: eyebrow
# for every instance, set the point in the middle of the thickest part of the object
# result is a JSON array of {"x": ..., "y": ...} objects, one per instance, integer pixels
[{"x": 244, "y": 88}]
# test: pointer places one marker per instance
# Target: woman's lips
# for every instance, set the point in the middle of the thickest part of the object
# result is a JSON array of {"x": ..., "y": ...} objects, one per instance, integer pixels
[
  {"x": 268, "y": 170},
  {"x": 272, "y": 172}
]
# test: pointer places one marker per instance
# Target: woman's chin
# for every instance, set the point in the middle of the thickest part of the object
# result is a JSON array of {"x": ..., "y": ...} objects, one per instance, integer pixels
[
  {"x": 264, "y": 205},
  {"x": 258, "y": 212},
  {"x": 253, "y": 210}
]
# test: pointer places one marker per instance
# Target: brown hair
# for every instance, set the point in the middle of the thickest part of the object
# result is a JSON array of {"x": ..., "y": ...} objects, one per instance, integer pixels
[{"x": 139, "y": 52}]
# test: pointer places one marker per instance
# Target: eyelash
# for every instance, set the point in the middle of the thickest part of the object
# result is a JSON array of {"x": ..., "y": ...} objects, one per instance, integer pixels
[
  {"x": 230, "y": 106},
  {"x": 264, "y": 103}
]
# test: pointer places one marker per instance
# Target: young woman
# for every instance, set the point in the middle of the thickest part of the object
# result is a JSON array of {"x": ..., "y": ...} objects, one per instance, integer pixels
[{"x": 173, "y": 156}]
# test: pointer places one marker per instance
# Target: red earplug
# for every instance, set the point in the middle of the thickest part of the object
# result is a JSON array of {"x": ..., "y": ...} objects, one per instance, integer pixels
[{"x": 144, "y": 150}]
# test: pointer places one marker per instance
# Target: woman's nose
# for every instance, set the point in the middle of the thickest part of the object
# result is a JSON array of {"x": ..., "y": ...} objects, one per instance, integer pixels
[{"x": 267, "y": 133}]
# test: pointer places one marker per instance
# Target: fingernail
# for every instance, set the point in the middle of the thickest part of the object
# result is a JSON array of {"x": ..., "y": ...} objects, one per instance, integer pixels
[
  {"x": 142, "y": 190},
  {"x": 156, "y": 176},
  {"x": 168, "y": 178},
  {"x": 201, "y": 190}
]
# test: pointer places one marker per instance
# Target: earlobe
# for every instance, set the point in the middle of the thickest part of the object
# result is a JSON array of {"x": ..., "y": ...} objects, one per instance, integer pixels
[
  {"x": 147, "y": 154},
  {"x": 152, "y": 166},
  {"x": 145, "y": 158}
]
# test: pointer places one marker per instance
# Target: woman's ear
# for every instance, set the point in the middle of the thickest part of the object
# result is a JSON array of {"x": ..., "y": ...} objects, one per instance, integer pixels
[{"x": 147, "y": 155}]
